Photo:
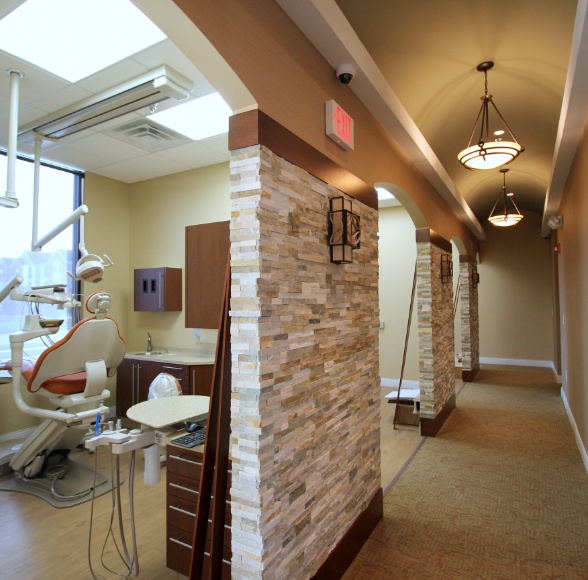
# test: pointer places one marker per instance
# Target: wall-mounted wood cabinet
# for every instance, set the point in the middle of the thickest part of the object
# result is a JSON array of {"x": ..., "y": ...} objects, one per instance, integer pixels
[
  {"x": 158, "y": 289},
  {"x": 207, "y": 255}
]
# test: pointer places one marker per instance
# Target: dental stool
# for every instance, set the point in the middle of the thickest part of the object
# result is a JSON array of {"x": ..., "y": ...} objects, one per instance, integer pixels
[{"x": 72, "y": 375}]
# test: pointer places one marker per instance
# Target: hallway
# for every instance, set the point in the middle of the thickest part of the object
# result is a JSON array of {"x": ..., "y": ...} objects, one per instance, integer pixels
[{"x": 500, "y": 493}]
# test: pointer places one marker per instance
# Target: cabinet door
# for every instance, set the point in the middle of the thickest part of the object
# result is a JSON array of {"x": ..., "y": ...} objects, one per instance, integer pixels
[
  {"x": 158, "y": 289},
  {"x": 124, "y": 387},
  {"x": 145, "y": 372},
  {"x": 201, "y": 380},
  {"x": 207, "y": 254},
  {"x": 181, "y": 373}
]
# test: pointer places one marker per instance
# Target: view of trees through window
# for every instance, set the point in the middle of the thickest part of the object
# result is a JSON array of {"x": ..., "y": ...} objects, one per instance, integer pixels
[{"x": 59, "y": 195}]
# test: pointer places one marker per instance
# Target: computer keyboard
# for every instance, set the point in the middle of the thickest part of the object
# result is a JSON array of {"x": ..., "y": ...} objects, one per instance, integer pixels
[{"x": 191, "y": 439}]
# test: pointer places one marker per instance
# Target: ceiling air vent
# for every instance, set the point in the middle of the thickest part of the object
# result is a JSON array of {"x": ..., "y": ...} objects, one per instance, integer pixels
[{"x": 148, "y": 135}]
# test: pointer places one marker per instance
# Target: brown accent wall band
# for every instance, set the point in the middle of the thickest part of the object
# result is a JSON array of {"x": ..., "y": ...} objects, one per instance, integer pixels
[
  {"x": 429, "y": 235},
  {"x": 256, "y": 128},
  {"x": 430, "y": 427},
  {"x": 350, "y": 545},
  {"x": 465, "y": 259}
]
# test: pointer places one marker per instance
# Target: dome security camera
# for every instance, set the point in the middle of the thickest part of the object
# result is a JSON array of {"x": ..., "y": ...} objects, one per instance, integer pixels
[{"x": 345, "y": 73}]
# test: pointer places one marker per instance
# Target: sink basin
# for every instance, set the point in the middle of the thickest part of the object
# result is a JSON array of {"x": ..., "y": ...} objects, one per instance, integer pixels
[{"x": 153, "y": 352}]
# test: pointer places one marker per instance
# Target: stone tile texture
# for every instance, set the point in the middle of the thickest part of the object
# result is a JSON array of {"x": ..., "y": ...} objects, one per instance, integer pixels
[{"x": 305, "y": 372}]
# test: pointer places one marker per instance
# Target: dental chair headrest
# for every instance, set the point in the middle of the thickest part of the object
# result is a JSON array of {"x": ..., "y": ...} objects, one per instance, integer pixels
[{"x": 99, "y": 303}]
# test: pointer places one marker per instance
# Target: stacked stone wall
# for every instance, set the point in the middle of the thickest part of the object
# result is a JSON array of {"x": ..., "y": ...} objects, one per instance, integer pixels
[
  {"x": 305, "y": 407},
  {"x": 469, "y": 317},
  {"x": 435, "y": 329}
]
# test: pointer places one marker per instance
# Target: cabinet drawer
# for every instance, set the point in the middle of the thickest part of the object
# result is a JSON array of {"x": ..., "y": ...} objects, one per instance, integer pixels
[
  {"x": 179, "y": 554},
  {"x": 184, "y": 463},
  {"x": 184, "y": 539},
  {"x": 183, "y": 487},
  {"x": 181, "y": 513}
]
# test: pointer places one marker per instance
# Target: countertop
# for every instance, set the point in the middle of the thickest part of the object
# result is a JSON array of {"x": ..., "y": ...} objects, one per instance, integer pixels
[{"x": 175, "y": 355}]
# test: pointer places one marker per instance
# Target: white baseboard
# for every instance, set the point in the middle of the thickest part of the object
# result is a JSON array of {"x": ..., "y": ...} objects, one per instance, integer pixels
[
  {"x": 579, "y": 441},
  {"x": 517, "y": 362},
  {"x": 389, "y": 383}
]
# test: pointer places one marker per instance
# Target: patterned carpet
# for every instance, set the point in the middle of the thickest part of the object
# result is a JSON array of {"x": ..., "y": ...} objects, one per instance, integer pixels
[{"x": 500, "y": 493}]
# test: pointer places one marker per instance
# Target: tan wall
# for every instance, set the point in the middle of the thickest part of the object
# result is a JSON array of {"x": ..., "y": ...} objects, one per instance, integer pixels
[
  {"x": 515, "y": 292},
  {"x": 161, "y": 210},
  {"x": 140, "y": 225},
  {"x": 291, "y": 81},
  {"x": 397, "y": 255},
  {"x": 573, "y": 288}
]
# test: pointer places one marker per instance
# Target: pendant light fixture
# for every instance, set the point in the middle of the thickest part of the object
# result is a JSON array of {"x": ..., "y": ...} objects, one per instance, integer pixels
[
  {"x": 505, "y": 212},
  {"x": 489, "y": 154}
]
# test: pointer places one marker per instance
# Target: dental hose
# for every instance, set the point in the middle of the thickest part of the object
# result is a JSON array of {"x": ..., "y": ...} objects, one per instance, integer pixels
[{"x": 132, "y": 565}]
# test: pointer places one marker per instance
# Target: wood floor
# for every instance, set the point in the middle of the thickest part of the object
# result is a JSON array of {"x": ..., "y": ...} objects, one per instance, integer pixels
[{"x": 40, "y": 541}]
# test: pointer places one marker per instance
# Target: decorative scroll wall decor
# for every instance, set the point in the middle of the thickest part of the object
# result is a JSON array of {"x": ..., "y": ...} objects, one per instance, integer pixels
[
  {"x": 446, "y": 268},
  {"x": 344, "y": 230}
]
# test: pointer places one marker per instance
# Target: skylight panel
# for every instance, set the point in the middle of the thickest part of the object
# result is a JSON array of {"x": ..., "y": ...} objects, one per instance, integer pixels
[
  {"x": 198, "y": 119},
  {"x": 76, "y": 38}
]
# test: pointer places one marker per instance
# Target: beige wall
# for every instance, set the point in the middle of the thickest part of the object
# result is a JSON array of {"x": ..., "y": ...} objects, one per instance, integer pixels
[
  {"x": 397, "y": 255},
  {"x": 161, "y": 210},
  {"x": 140, "y": 225},
  {"x": 515, "y": 292},
  {"x": 573, "y": 289}
]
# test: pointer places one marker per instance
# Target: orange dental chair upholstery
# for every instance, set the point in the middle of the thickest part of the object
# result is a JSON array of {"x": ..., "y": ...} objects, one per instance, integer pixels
[{"x": 72, "y": 374}]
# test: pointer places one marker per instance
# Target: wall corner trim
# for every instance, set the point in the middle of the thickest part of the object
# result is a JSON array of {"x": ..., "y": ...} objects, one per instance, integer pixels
[
  {"x": 257, "y": 128},
  {"x": 572, "y": 421}
]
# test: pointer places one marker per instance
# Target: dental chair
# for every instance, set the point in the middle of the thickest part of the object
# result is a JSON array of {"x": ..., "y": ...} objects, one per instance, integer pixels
[{"x": 72, "y": 375}]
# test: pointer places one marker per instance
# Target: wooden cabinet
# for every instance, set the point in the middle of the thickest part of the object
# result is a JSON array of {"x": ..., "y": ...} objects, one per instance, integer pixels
[
  {"x": 183, "y": 477},
  {"x": 158, "y": 289},
  {"x": 134, "y": 377},
  {"x": 207, "y": 254}
]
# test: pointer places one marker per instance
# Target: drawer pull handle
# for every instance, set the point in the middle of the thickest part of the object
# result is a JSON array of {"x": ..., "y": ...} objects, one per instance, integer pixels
[
  {"x": 171, "y": 368},
  {"x": 181, "y": 543},
  {"x": 183, "y": 511},
  {"x": 180, "y": 458},
  {"x": 184, "y": 488}
]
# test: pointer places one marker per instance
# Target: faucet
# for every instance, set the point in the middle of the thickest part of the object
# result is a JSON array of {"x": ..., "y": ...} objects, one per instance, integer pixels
[{"x": 149, "y": 347}]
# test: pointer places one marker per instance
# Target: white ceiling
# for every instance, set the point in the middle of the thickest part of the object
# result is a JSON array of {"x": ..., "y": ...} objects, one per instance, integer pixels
[{"x": 95, "y": 150}]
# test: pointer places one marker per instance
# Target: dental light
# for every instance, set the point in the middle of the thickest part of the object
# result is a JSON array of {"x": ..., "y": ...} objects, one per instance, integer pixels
[
  {"x": 90, "y": 267},
  {"x": 142, "y": 91}
]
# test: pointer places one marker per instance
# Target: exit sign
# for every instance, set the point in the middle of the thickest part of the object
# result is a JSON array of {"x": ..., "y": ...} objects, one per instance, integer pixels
[{"x": 338, "y": 125}]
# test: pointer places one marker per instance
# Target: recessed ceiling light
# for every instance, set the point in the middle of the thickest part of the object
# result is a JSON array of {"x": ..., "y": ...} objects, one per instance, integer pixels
[
  {"x": 198, "y": 119},
  {"x": 499, "y": 132},
  {"x": 384, "y": 194},
  {"x": 76, "y": 38}
]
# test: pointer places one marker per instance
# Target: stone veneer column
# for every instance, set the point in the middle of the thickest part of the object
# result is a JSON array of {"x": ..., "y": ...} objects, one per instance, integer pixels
[
  {"x": 305, "y": 409},
  {"x": 470, "y": 325},
  {"x": 435, "y": 329}
]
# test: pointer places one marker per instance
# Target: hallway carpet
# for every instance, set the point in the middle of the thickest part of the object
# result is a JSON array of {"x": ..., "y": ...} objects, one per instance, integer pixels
[{"x": 500, "y": 493}]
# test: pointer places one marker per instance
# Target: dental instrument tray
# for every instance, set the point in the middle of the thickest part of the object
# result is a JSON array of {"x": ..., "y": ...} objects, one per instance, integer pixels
[{"x": 191, "y": 439}]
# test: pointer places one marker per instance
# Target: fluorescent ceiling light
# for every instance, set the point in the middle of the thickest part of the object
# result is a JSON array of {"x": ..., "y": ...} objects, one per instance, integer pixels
[
  {"x": 198, "y": 119},
  {"x": 76, "y": 38},
  {"x": 146, "y": 90}
]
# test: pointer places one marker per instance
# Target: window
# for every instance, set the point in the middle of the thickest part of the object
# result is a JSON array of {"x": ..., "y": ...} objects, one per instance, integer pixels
[{"x": 59, "y": 194}]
